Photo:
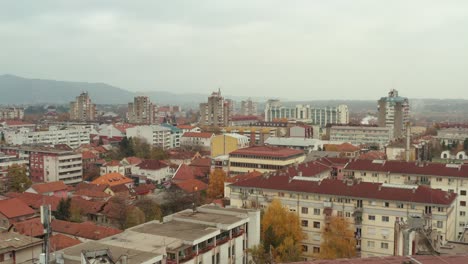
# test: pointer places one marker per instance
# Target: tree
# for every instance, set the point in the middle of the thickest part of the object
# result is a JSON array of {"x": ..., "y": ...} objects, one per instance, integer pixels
[
  {"x": 133, "y": 216},
  {"x": 150, "y": 208},
  {"x": 216, "y": 184},
  {"x": 465, "y": 145},
  {"x": 158, "y": 153},
  {"x": 91, "y": 173},
  {"x": 259, "y": 255},
  {"x": 100, "y": 142},
  {"x": 63, "y": 209},
  {"x": 18, "y": 181},
  {"x": 75, "y": 214},
  {"x": 337, "y": 239},
  {"x": 282, "y": 233},
  {"x": 126, "y": 147}
]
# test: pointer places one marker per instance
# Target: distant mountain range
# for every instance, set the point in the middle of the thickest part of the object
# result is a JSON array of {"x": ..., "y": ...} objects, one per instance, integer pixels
[{"x": 19, "y": 90}]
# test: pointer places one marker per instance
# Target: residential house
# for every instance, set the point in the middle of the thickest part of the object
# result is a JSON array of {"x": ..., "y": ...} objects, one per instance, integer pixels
[
  {"x": 57, "y": 189},
  {"x": 82, "y": 231},
  {"x": 17, "y": 248},
  {"x": 113, "y": 179},
  {"x": 13, "y": 210},
  {"x": 157, "y": 171}
]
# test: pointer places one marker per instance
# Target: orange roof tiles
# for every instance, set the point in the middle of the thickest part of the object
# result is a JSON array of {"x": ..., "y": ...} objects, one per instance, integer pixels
[
  {"x": 184, "y": 172},
  {"x": 133, "y": 160},
  {"x": 152, "y": 165},
  {"x": 31, "y": 227},
  {"x": 35, "y": 200},
  {"x": 191, "y": 185},
  {"x": 59, "y": 242},
  {"x": 14, "y": 207},
  {"x": 268, "y": 151},
  {"x": 48, "y": 187},
  {"x": 112, "y": 179},
  {"x": 85, "y": 206},
  {"x": 243, "y": 177},
  {"x": 87, "y": 155},
  {"x": 86, "y": 230}
]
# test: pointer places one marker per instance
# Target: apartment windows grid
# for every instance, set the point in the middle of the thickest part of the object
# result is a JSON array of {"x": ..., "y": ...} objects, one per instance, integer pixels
[
  {"x": 385, "y": 219},
  {"x": 462, "y": 203},
  {"x": 371, "y": 217},
  {"x": 304, "y": 223},
  {"x": 316, "y": 224},
  {"x": 440, "y": 224},
  {"x": 316, "y": 211},
  {"x": 386, "y": 204},
  {"x": 304, "y": 210},
  {"x": 370, "y": 244},
  {"x": 384, "y": 245},
  {"x": 463, "y": 192},
  {"x": 305, "y": 248},
  {"x": 462, "y": 213}
]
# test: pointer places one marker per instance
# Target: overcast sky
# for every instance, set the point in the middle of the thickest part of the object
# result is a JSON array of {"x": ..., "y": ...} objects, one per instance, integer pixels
[{"x": 289, "y": 49}]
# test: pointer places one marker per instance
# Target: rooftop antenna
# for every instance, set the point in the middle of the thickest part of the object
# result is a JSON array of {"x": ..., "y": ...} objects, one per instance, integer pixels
[{"x": 45, "y": 220}]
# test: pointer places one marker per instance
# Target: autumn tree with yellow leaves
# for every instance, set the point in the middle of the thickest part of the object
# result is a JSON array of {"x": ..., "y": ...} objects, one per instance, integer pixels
[
  {"x": 338, "y": 239},
  {"x": 281, "y": 236},
  {"x": 216, "y": 184}
]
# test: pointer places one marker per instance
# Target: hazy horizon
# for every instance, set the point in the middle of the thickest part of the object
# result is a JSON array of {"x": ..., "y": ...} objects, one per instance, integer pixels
[{"x": 301, "y": 50}]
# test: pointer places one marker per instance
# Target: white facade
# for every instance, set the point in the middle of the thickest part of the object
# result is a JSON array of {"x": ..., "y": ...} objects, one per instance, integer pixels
[
  {"x": 11, "y": 113},
  {"x": 358, "y": 135},
  {"x": 157, "y": 176},
  {"x": 66, "y": 167},
  {"x": 191, "y": 139},
  {"x": 153, "y": 134},
  {"x": 72, "y": 136},
  {"x": 274, "y": 110}
]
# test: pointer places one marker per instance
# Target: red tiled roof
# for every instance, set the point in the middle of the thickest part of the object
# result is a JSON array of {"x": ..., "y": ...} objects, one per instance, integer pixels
[
  {"x": 181, "y": 154},
  {"x": 85, "y": 206},
  {"x": 120, "y": 188},
  {"x": 143, "y": 189},
  {"x": 243, "y": 177},
  {"x": 371, "y": 155},
  {"x": 12, "y": 208},
  {"x": 91, "y": 187},
  {"x": 49, "y": 187},
  {"x": 86, "y": 230},
  {"x": 201, "y": 162},
  {"x": 35, "y": 200},
  {"x": 421, "y": 194},
  {"x": 100, "y": 149},
  {"x": 345, "y": 147},
  {"x": 91, "y": 194},
  {"x": 17, "y": 123},
  {"x": 112, "y": 163},
  {"x": 31, "y": 227},
  {"x": 184, "y": 172},
  {"x": 133, "y": 160},
  {"x": 87, "y": 155},
  {"x": 59, "y": 242},
  {"x": 267, "y": 151},
  {"x": 112, "y": 179},
  {"x": 190, "y": 185},
  {"x": 412, "y": 168},
  {"x": 152, "y": 165},
  {"x": 198, "y": 134}
]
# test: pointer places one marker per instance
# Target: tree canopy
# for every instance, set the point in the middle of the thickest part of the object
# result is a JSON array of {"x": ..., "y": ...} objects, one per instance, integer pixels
[
  {"x": 63, "y": 209},
  {"x": 337, "y": 239},
  {"x": 18, "y": 181},
  {"x": 281, "y": 235},
  {"x": 150, "y": 208},
  {"x": 216, "y": 184}
]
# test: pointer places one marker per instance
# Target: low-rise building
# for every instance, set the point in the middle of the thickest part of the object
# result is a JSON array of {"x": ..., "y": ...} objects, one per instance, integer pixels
[
  {"x": 13, "y": 210},
  {"x": 305, "y": 144},
  {"x": 452, "y": 135},
  {"x": 201, "y": 140},
  {"x": 71, "y": 136},
  {"x": 17, "y": 248},
  {"x": 57, "y": 189},
  {"x": 156, "y": 171},
  {"x": 263, "y": 159},
  {"x": 209, "y": 234}
]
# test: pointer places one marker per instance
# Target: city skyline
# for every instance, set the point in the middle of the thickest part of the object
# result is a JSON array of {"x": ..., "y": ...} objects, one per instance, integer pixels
[{"x": 321, "y": 50}]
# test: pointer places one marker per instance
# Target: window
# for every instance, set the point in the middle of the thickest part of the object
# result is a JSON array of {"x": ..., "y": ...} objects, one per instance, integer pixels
[
  {"x": 316, "y": 250},
  {"x": 462, "y": 203},
  {"x": 440, "y": 209},
  {"x": 316, "y": 224},
  {"x": 340, "y": 213},
  {"x": 386, "y": 204},
  {"x": 371, "y": 217},
  {"x": 304, "y": 223},
  {"x": 281, "y": 194},
  {"x": 375, "y": 174},
  {"x": 463, "y": 192},
  {"x": 384, "y": 245},
  {"x": 304, "y": 248},
  {"x": 440, "y": 224},
  {"x": 316, "y": 211},
  {"x": 461, "y": 224},
  {"x": 385, "y": 219},
  {"x": 305, "y": 210},
  {"x": 462, "y": 213},
  {"x": 399, "y": 205},
  {"x": 370, "y": 244},
  {"x": 439, "y": 179},
  {"x": 348, "y": 214}
]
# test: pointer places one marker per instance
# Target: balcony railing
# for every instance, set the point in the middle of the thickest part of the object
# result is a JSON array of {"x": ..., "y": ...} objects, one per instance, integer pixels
[{"x": 238, "y": 233}]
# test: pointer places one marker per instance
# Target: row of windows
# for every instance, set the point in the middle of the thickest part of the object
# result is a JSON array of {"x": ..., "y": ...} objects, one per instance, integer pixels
[
  {"x": 371, "y": 244},
  {"x": 263, "y": 157},
  {"x": 255, "y": 166}
]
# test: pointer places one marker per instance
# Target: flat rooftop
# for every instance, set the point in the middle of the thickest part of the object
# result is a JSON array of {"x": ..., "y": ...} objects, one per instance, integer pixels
[{"x": 177, "y": 229}]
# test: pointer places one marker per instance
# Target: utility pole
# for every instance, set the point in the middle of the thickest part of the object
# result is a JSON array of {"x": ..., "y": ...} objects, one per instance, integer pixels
[{"x": 45, "y": 220}]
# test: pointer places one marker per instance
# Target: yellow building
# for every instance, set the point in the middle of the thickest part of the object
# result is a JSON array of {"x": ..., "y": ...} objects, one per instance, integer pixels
[
  {"x": 379, "y": 213},
  {"x": 224, "y": 144},
  {"x": 263, "y": 159}
]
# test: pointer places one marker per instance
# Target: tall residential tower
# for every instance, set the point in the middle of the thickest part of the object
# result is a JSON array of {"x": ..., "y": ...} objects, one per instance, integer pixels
[
  {"x": 394, "y": 113},
  {"x": 216, "y": 112},
  {"x": 82, "y": 109},
  {"x": 142, "y": 111}
]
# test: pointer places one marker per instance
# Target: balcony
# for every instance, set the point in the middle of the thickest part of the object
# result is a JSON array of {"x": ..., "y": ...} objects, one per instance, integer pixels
[
  {"x": 206, "y": 249},
  {"x": 237, "y": 233}
]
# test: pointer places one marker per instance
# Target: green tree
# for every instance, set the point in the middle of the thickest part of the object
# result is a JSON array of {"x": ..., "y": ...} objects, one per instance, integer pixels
[
  {"x": 158, "y": 153},
  {"x": 2, "y": 138},
  {"x": 18, "y": 180},
  {"x": 259, "y": 255},
  {"x": 150, "y": 208},
  {"x": 63, "y": 209},
  {"x": 126, "y": 147},
  {"x": 100, "y": 142},
  {"x": 337, "y": 239}
]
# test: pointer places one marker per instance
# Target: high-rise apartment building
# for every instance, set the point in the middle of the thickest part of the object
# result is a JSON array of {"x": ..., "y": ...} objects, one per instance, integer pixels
[
  {"x": 82, "y": 108},
  {"x": 248, "y": 107},
  {"x": 394, "y": 113},
  {"x": 274, "y": 110},
  {"x": 216, "y": 112},
  {"x": 142, "y": 111},
  {"x": 8, "y": 113}
]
